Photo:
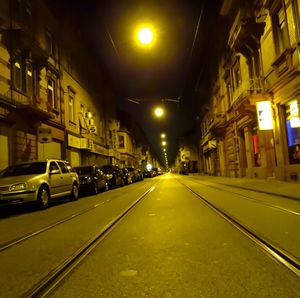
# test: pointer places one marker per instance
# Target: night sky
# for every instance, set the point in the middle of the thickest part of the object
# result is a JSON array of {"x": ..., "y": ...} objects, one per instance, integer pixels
[{"x": 188, "y": 37}]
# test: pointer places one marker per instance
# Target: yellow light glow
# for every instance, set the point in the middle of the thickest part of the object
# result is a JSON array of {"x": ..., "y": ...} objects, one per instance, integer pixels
[
  {"x": 158, "y": 112},
  {"x": 264, "y": 115},
  {"x": 145, "y": 35},
  {"x": 164, "y": 143},
  {"x": 163, "y": 135}
]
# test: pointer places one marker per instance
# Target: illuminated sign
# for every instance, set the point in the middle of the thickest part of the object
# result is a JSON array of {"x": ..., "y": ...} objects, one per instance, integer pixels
[
  {"x": 264, "y": 115},
  {"x": 294, "y": 112}
]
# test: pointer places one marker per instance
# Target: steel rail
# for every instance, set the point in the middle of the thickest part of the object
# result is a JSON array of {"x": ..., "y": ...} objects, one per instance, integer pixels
[
  {"x": 250, "y": 198},
  {"x": 48, "y": 284},
  {"x": 251, "y": 189},
  {"x": 280, "y": 255},
  {"x": 20, "y": 239}
]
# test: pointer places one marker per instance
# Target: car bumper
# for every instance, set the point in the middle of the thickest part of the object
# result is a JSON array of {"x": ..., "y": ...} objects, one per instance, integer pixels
[{"x": 17, "y": 197}]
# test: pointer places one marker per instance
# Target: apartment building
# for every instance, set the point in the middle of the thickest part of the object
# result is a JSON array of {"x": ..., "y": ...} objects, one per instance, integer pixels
[
  {"x": 55, "y": 101},
  {"x": 253, "y": 128}
]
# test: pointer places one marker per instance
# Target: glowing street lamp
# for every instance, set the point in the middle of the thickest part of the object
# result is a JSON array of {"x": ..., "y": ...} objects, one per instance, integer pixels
[
  {"x": 145, "y": 36},
  {"x": 163, "y": 135},
  {"x": 159, "y": 112},
  {"x": 164, "y": 143}
]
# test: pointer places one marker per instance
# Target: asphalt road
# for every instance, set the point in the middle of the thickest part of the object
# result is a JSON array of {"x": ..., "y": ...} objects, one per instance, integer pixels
[
  {"x": 172, "y": 245},
  {"x": 169, "y": 245}
]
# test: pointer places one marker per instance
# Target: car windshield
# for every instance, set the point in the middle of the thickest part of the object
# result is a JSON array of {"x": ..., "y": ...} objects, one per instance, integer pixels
[
  {"x": 84, "y": 170},
  {"x": 24, "y": 169}
]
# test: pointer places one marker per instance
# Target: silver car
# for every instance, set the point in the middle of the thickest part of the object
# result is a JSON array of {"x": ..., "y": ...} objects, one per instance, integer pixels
[{"x": 38, "y": 181}]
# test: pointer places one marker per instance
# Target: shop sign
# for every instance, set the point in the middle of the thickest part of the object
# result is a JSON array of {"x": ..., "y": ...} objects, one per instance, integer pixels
[
  {"x": 294, "y": 112},
  {"x": 74, "y": 141},
  {"x": 100, "y": 150},
  {"x": 264, "y": 115}
]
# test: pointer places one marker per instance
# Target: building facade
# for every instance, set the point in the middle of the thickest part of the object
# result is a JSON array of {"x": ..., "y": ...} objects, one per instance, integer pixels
[
  {"x": 253, "y": 129},
  {"x": 54, "y": 100}
]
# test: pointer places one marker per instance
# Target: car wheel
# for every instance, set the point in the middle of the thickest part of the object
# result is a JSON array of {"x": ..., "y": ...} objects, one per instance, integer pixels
[
  {"x": 75, "y": 192},
  {"x": 95, "y": 188},
  {"x": 43, "y": 198}
]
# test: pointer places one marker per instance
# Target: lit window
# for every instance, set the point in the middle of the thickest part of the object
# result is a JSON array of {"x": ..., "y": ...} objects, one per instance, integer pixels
[
  {"x": 29, "y": 79},
  {"x": 51, "y": 94},
  {"x": 293, "y": 131},
  {"x": 17, "y": 73}
]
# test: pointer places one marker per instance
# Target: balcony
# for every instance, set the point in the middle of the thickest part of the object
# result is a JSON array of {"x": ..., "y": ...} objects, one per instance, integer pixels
[
  {"x": 24, "y": 40},
  {"x": 245, "y": 33},
  {"x": 32, "y": 109}
]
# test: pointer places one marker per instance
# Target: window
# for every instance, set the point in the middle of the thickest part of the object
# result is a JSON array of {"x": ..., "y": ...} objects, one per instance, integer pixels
[
  {"x": 29, "y": 78},
  {"x": 50, "y": 46},
  {"x": 237, "y": 73},
  {"x": 280, "y": 30},
  {"x": 51, "y": 94},
  {"x": 293, "y": 131},
  {"x": 71, "y": 106},
  {"x": 53, "y": 166},
  {"x": 121, "y": 142},
  {"x": 28, "y": 16},
  {"x": 17, "y": 73},
  {"x": 63, "y": 167}
]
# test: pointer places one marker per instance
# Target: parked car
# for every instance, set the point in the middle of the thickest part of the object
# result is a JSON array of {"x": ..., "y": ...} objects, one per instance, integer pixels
[
  {"x": 91, "y": 179},
  {"x": 114, "y": 175},
  {"x": 148, "y": 174},
  {"x": 140, "y": 175},
  {"x": 134, "y": 174},
  {"x": 38, "y": 181},
  {"x": 128, "y": 179}
]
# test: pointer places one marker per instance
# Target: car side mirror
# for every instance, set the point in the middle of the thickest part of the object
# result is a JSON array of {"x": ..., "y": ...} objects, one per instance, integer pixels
[{"x": 55, "y": 171}]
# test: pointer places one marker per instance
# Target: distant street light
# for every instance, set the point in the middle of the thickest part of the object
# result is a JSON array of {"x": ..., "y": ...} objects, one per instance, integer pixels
[
  {"x": 164, "y": 143},
  {"x": 163, "y": 135},
  {"x": 159, "y": 112}
]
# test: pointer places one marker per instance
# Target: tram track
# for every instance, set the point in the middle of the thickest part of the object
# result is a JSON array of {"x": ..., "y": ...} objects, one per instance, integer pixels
[
  {"x": 50, "y": 283},
  {"x": 45, "y": 286},
  {"x": 278, "y": 254},
  {"x": 8, "y": 244},
  {"x": 251, "y": 198},
  {"x": 249, "y": 189}
]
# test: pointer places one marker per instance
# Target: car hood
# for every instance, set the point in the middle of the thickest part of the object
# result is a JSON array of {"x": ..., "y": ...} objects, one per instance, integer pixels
[{"x": 18, "y": 179}]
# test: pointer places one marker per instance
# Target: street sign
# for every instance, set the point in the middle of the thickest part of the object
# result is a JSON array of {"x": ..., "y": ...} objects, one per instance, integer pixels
[{"x": 44, "y": 135}]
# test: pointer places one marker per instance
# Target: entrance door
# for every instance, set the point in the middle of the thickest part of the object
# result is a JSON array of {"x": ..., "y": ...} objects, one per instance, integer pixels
[
  {"x": 271, "y": 162},
  {"x": 243, "y": 157}
]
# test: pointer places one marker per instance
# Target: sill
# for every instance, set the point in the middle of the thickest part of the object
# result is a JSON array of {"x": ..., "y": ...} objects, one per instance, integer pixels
[{"x": 72, "y": 123}]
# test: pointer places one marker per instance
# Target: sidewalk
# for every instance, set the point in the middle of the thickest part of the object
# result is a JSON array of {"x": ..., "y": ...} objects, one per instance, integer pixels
[{"x": 281, "y": 188}]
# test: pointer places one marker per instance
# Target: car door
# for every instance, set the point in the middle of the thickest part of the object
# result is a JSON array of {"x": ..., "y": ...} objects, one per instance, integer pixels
[
  {"x": 55, "y": 179},
  {"x": 67, "y": 180}
]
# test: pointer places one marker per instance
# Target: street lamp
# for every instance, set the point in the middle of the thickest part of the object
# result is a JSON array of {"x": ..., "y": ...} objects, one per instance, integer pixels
[
  {"x": 164, "y": 143},
  {"x": 163, "y": 135},
  {"x": 159, "y": 112},
  {"x": 145, "y": 36}
]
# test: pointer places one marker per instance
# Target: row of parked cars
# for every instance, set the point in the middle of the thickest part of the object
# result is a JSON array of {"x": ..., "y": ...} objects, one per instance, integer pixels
[{"x": 42, "y": 181}]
